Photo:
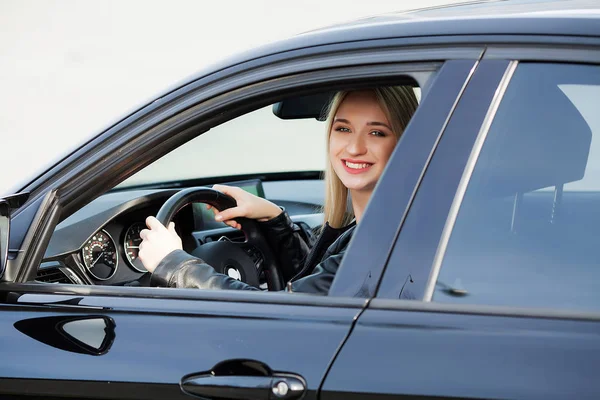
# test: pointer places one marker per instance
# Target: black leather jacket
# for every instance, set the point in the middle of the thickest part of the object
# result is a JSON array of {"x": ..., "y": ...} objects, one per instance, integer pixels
[{"x": 310, "y": 270}]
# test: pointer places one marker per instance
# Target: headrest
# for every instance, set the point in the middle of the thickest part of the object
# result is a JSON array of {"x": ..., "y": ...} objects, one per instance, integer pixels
[{"x": 538, "y": 139}]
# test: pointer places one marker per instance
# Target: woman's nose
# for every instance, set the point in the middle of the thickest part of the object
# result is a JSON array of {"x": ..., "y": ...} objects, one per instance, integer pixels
[{"x": 356, "y": 145}]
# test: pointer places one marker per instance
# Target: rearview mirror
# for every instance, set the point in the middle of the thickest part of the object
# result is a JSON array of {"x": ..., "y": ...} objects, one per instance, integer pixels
[{"x": 310, "y": 106}]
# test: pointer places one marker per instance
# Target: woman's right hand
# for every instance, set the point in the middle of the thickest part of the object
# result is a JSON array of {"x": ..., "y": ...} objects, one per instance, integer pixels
[{"x": 248, "y": 206}]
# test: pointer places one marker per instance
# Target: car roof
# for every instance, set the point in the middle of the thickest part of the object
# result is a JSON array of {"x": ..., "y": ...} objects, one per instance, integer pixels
[
  {"x": 496, "y": 8},
  {"x": 516, "y": 17}
]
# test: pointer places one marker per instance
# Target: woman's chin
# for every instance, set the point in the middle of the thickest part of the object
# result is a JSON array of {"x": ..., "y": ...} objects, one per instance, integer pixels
[{"x": 356, "y": 185}]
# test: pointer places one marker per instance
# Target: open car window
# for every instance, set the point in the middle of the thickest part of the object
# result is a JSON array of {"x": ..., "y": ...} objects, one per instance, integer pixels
[{"x": 277, "y": 151}]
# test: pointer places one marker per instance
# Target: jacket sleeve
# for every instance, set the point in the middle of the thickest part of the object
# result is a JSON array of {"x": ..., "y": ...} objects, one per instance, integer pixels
[
  {"x": 287, "y": 244},
  {"x": 182, "y": 270}
]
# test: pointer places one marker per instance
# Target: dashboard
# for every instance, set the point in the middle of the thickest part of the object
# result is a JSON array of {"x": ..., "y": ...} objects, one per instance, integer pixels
[{"x": 99, "y": 244}]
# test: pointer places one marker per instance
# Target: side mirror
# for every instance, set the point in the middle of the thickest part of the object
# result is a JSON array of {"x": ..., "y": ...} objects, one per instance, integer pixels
[{"x": 4, "y": 234}]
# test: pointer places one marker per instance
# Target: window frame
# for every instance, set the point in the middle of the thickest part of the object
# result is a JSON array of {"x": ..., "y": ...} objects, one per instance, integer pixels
[{"x": 166, "y": 123}]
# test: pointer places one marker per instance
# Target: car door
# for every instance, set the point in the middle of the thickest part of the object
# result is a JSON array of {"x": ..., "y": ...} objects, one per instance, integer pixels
[
  {"x": 65, "y": 341},
  {"x": 491, "y": 290}
]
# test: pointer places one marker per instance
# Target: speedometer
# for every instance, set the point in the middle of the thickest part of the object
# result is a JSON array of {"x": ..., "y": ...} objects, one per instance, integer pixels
[
  {"x": 132, "y": 246},
  {"x": 100, "y": 256}
]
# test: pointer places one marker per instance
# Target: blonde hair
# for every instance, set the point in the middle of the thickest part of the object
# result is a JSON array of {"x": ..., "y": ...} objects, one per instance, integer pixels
[{"x": 398, "y": 104}]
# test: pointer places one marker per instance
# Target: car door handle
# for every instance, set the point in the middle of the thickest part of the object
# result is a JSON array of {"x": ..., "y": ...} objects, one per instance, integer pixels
[{"x": 244, "y": 379}]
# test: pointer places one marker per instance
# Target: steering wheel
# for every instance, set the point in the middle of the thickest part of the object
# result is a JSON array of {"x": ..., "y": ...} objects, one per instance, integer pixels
[{"x": 228, "y": 257}]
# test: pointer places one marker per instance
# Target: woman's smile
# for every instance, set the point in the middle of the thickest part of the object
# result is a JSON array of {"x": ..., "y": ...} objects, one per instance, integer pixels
[{"x": 356, "y": 166}]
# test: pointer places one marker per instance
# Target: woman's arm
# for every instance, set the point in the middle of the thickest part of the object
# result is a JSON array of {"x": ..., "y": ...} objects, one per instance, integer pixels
[{"x": 179, "y": 269}]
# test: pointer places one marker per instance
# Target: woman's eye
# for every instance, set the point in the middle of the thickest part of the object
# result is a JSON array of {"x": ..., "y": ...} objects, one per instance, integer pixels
[
  {"x": 378, "y": 133},
  {"x": 342, "y": 129}
]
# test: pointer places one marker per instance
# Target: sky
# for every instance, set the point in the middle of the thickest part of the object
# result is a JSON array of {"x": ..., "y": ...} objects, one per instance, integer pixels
[{"x": 69, "y": 67}]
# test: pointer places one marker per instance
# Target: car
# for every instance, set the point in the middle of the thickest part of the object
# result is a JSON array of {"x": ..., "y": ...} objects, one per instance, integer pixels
[{"x": 474, "y": 273}]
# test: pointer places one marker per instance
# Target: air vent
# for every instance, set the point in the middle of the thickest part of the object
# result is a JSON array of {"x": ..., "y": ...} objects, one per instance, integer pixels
[{"x": 52, "y": 275}]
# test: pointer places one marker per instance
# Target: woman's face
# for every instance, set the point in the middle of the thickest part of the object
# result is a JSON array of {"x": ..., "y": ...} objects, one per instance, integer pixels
[{"x": 361, "y": 141}]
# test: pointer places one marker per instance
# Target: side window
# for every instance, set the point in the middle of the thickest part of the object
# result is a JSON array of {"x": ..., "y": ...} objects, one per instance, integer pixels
[{"x": 527, "y": 233}]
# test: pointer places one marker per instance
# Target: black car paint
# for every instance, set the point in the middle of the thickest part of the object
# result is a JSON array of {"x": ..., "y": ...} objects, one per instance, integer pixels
[{"x": 390, "y": 348}]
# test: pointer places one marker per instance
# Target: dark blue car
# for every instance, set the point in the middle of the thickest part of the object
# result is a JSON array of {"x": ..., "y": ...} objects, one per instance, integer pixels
[{"x": 474, "y": 273}]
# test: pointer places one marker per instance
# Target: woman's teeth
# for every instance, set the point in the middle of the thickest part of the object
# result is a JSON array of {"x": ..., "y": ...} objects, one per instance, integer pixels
[{"x": 357, "y": 166}]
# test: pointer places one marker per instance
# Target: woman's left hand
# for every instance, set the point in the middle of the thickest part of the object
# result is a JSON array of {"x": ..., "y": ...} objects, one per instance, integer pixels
[{"x": 157, "y": 242}]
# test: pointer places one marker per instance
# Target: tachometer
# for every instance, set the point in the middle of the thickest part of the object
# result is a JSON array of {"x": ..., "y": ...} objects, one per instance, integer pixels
[
  {"x": 100, "y": 256},
  {"x": 132, "y": 245}
]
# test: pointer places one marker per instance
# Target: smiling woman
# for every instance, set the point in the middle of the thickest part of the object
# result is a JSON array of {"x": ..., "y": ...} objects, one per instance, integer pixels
[{"x": 363, "y": 130}]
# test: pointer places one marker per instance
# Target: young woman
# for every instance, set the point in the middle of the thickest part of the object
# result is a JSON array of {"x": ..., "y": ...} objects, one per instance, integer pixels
[{"x": 363, "y": 128}]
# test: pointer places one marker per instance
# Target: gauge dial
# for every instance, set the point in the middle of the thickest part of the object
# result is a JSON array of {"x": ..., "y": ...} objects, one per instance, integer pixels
[
  {"x": 100, "y": 256},
  {"x": 132, "y": 246}
]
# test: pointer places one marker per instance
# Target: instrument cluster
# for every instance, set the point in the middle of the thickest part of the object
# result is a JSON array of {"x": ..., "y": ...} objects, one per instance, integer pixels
[
  {"x": 100, "y": 254},
  {"x": 116, "y": 246}
]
